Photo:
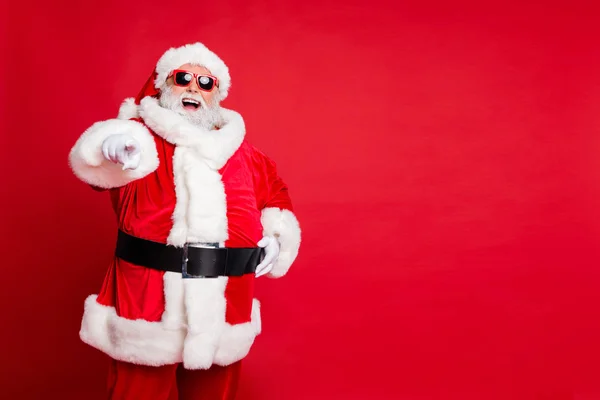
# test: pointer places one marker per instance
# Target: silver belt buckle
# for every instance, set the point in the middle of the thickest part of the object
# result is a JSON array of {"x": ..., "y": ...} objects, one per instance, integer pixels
[
  {"x": 184, "y": 262},
  {"x": 204, "y": 245}
]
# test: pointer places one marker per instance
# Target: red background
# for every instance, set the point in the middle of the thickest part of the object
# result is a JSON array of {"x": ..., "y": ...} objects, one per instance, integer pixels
[{"x": 443, "y": 162}]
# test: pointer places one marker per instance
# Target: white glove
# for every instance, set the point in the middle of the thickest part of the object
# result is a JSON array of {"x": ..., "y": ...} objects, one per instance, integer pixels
[
  {"x": 123, "y": 149},
  {"x": 271, "y": 246}
]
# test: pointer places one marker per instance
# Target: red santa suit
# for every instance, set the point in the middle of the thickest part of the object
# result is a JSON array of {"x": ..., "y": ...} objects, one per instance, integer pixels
[{"x": 191, "y": 186}]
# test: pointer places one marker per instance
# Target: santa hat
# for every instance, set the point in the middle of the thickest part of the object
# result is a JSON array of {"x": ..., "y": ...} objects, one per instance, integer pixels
[{"x": 197, "y": 54}]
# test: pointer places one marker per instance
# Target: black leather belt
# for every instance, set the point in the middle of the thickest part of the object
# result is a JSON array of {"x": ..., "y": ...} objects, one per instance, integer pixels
[{"x": 191, "y": 261}]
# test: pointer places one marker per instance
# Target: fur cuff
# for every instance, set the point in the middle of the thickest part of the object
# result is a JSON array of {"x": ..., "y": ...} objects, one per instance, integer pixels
[
  {"x": 88, "y": 162},
  {"x": 285, "y": 227}
]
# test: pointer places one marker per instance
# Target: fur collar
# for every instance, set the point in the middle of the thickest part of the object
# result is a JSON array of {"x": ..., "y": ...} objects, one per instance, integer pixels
[{"x": 216, "y": 146}]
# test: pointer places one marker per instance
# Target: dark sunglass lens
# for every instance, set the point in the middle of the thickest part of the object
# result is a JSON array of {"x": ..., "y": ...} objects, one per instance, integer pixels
[
  {"x": 206, "y": 82},
  {"x": 183, "y": 78}
]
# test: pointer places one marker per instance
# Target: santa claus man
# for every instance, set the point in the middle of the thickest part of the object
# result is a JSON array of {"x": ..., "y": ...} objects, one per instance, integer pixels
[{"x": 201, "y": 213}]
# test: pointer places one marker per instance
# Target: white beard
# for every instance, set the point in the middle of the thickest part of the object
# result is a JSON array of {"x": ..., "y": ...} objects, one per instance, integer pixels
[{"x": 206, "y": 116}]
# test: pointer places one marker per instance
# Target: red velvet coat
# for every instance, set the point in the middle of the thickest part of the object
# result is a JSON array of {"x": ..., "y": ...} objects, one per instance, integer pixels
[{"x": 192, "y": 185}]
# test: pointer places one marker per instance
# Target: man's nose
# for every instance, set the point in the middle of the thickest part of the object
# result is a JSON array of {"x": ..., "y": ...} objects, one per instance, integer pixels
[{"x": 193, "y": 87}]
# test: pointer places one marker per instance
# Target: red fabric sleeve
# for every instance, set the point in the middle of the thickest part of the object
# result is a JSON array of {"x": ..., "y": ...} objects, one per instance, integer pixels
[{"x": 271, "y": 190}]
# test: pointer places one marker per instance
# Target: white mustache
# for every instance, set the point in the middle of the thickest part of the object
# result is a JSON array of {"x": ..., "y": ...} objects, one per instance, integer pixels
[
  {"x": 207, "y": 116},
  {"x": 195, "y": 97}
]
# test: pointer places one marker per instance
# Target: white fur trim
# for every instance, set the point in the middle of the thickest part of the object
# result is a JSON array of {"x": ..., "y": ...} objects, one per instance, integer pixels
[
  {"x": 155, "y": 344},
  {"x": 201, "y": 211},
  {"x": 128, "y": 109},
  {"x": 134, "y": 341},
  {"x": 205, "y": 307},
  {"x": 174, "y": 314},
  {"x": 179, "y": 230},
  {"x": 215, "y": 146},
  {"x": 236, "y": 341},
  {"x": 284, "y": 225},
  {"x": 197, "y": 54},
  {"x": 88, "y": 162}
]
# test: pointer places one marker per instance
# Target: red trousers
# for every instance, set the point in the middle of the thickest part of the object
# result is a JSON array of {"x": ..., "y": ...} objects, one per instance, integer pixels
[{"x": 171, "y": 382}]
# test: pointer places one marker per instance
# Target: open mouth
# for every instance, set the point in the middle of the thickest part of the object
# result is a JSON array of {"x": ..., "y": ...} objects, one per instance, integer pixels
[{"x": 190, "y": 104}]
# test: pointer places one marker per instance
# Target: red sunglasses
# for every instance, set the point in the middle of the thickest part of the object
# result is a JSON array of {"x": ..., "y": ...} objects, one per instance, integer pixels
[{"x": 184, "y": 78}]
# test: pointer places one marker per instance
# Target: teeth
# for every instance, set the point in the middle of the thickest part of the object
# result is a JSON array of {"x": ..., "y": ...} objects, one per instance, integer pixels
[{"x": 191, "y": 101}]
